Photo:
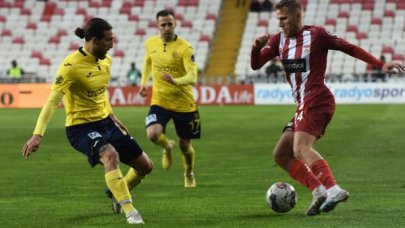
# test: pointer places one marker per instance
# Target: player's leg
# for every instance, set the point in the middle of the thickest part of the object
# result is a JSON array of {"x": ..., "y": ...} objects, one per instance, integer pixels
[
  {"x": 314, "y": 123},
  {"x": 283, "y": 155},
  {"x": 155, "y": 127},
  {"x": 336, "y": 194},
  {"x": 117, "y": 184},
  {"x": 303, "y": 150},
  {"x": 156, "y": 135},
  {"x": 188, "y": 127},
  {"x": 187, "y": 156},
  {"x": 90, "y": 139},
  {"x": 140, "y": 167},
  {"x": 131, "y": 154}
]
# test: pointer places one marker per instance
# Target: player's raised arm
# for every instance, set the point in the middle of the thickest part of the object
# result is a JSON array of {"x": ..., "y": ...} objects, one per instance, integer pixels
[{"x": 263, "y": 50}]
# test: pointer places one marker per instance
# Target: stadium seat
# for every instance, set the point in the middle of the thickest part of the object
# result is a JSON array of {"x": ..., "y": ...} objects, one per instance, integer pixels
[
  {"x": 330, "y": 21},
  {"x": 18, "y": 40},
  {"x": 54, "y": 39},
  {"x": 205, "y": 38},
  {"x": 6, "y": 32},
  {"x": 73, "y": 46},
  {"x": 398, "y": 57},
  {"x": 45, "y": 61},
  {"x": 187, "y": 24},
  {"x": 119, "y": 53},
  {"x": 387, "y": 50}
]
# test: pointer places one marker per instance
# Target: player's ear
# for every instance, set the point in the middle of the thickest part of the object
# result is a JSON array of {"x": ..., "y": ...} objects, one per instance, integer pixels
[{"x": 94, "y": 40}]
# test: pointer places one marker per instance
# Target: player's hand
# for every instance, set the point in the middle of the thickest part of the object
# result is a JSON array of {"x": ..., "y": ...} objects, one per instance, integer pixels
[
  {"x": 31, "y": 145},
  {"x": 391, "y": 67},
  {"x": 168, "y": 78},
  {"x": 261, "y": 41},
  {"x": 143, "y": 91}
]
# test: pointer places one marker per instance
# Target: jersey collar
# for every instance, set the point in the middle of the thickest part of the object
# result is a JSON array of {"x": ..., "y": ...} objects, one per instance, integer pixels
[
  {"x": 86, "y": 53},
  {"x": 175, "y": 38}
]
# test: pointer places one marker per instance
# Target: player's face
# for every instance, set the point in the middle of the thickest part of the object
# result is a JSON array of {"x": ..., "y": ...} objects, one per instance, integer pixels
[
  {"x": 166, "y": 25},
  {"x": 103, "y": 44},
  {"x": 289, "y": 22}
]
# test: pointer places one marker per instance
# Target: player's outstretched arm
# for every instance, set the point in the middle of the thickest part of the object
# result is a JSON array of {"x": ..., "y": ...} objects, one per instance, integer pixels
[
  {"x": 391, "y": 67},
  {"x": 45, "y": 116},
  {"x": 31, "y": 145}
]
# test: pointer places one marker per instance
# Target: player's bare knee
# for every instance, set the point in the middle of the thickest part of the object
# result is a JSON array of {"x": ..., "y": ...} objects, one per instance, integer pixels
[
  {"x": 153, "y": 135},
  {"x": 300, "y": 151},
  {"x": 148, "y": 167},
  {"x": 109, "y": 156}
]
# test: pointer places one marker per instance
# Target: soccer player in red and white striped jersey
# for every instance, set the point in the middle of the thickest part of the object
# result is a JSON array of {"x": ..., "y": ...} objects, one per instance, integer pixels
[{"x": 303, "y": 51}]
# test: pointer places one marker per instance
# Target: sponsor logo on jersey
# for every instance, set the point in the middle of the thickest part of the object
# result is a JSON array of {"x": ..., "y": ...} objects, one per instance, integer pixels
[
  {"x": 306, "y": 49},
  {"x": 67, "y": 64},
  {"x": 89, "y": 75},
  {"x": 294, "y": 65},
  {"x": 95, "y": 93},
  {"x": 167, "y": 69}
]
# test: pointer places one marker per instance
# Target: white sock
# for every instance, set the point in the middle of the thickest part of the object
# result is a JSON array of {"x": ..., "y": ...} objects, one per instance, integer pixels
[{"x": 332, "y": 190}]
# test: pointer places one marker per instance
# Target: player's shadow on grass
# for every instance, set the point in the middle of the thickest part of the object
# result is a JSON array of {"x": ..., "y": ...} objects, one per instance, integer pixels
[
  {"x": 101, "y": 219},
  {"x": 274, "y": 216}
]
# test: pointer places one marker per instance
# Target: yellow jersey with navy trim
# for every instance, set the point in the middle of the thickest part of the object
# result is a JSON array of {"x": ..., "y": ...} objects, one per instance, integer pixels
[
  {"x": 177, "y": 59},
  {"x": 84, "y": 79}
]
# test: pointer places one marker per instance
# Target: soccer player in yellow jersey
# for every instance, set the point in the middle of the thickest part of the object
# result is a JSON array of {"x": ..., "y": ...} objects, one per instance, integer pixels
[
  {"x": 91, "y": 126},
  {"x": 170, "y": 60}
]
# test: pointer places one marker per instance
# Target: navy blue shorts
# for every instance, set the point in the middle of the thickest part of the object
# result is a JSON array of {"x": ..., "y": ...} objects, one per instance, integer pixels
[
  {"x": 89, "y": 137},
  {"x": 187, "y": 124}
]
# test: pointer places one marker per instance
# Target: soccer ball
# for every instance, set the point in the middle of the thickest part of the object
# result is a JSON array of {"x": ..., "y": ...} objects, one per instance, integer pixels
[{"x": 281, "y": 197}]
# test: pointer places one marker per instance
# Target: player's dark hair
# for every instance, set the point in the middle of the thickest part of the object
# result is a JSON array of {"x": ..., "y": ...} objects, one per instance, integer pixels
[
  {"x": 94, "y": 27},
  {"x": 291, "y": 5},
  {"x": 164, "y": 13}
]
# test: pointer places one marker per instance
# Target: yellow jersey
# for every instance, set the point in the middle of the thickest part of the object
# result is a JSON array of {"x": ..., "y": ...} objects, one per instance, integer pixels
[
  {"x": 177, "y": 59},
  {"x": 83, "y": 79}
]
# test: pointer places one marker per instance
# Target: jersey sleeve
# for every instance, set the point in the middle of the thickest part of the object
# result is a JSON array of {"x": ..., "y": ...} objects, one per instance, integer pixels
[
  {"x": 64, "y": 76},
  {"x": 190, "y": 67},
  {"x": 259, "y": 57},
  {"x": 146, "y": 68},
  {"x": 335, "y": 43},
  {"x": 47, "y": 112}
]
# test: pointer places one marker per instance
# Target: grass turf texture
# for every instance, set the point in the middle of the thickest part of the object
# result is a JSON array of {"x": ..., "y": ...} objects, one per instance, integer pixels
[{"x": 56, "y": 187}]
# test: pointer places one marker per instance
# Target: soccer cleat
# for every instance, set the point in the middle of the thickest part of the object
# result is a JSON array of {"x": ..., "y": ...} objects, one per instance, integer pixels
[
  {"x": 189, "y": 181},
  {"x": 116, "y": 207},
  {"x": 168, "y": 155},
  {"x": 134, "y": 218},
  {"x": 319, "y": 196},
  {"x": 333, "y": 199}
]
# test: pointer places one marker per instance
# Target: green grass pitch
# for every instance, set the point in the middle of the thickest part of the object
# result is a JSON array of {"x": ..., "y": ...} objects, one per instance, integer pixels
[{"x": 364, "y": 145}]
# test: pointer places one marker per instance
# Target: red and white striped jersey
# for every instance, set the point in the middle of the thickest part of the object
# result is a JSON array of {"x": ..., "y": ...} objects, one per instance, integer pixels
[{"x": 304, "y": 58}]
